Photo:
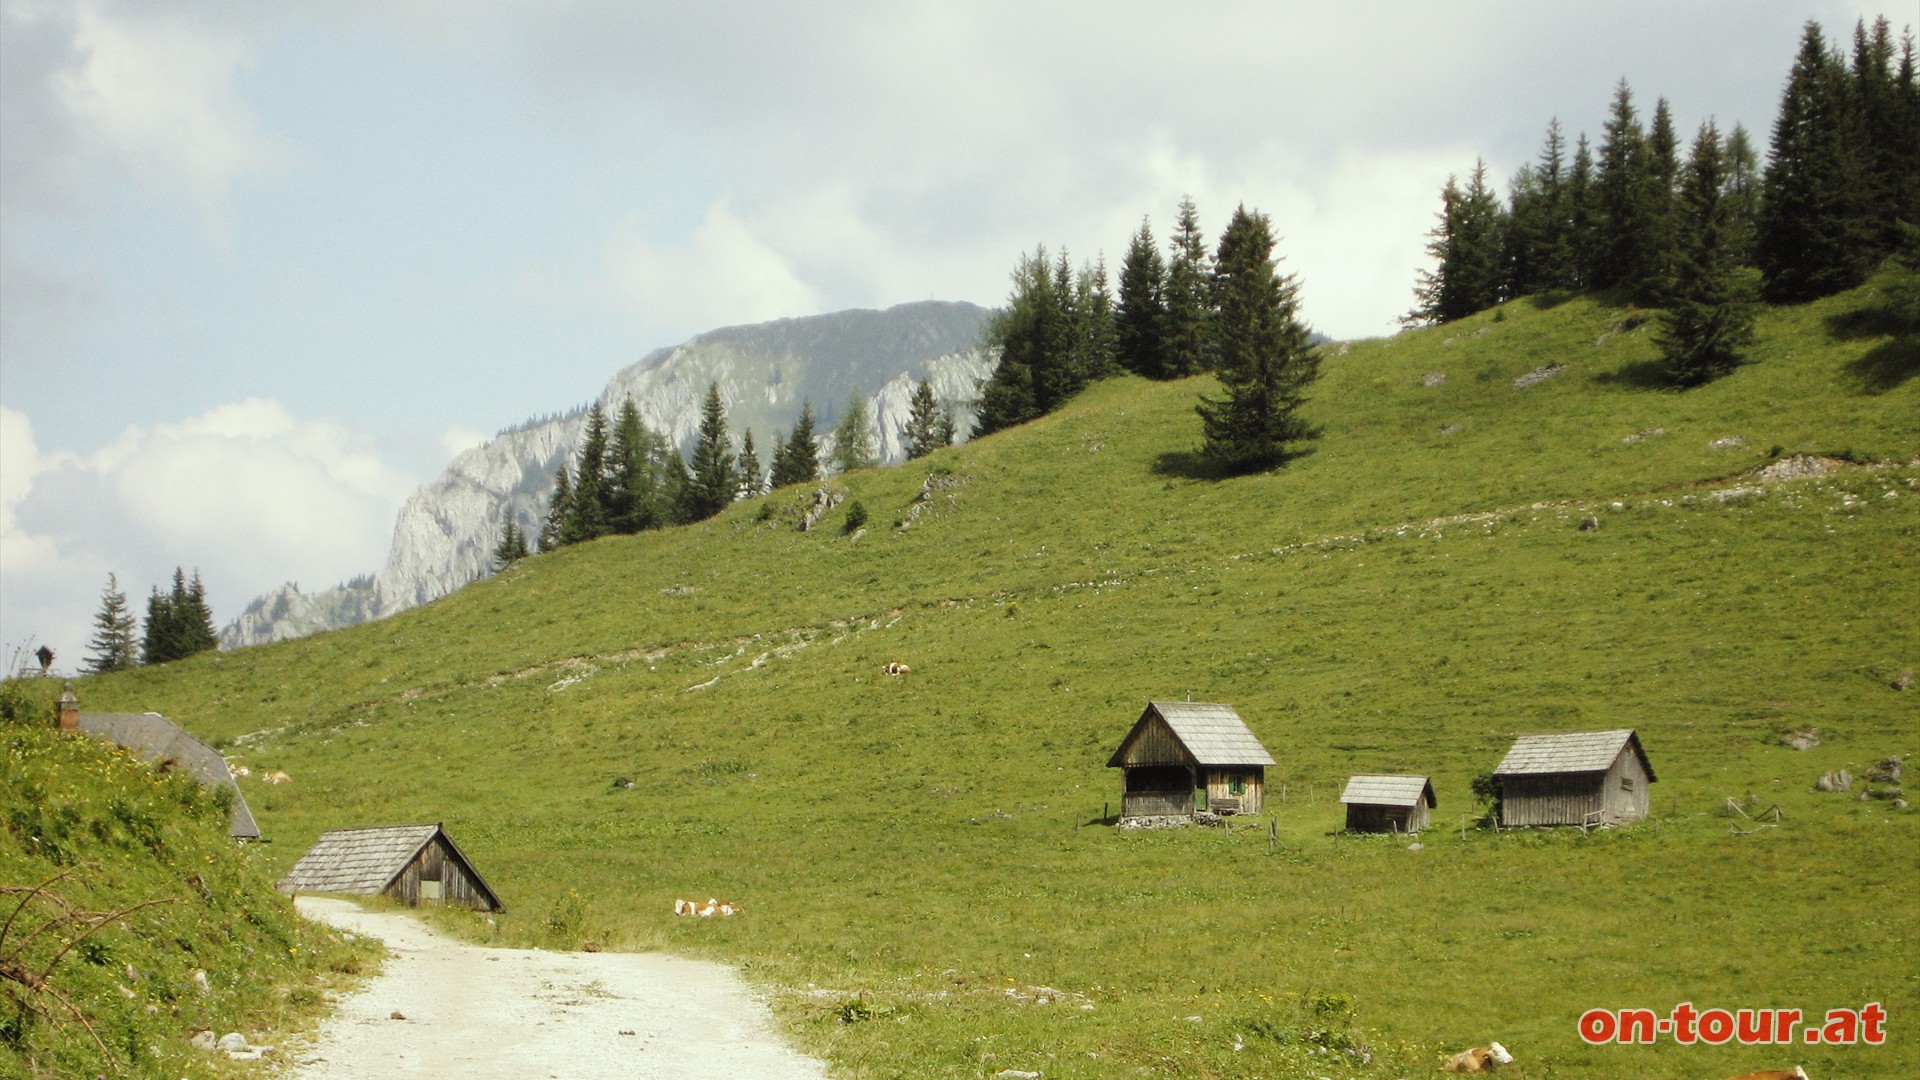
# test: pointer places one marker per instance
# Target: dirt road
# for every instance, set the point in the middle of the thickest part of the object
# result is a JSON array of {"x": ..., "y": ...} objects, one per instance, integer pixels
[{"x": 513, "y": 1014}]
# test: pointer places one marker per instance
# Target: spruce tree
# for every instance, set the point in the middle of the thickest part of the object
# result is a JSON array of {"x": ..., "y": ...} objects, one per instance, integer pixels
[
  {"x": 1188, "y": 338},
  {"x": 853, "y": 446},
  {"x": 113, "y": 627},
  {"x": 1265, "y": 359},
  {"x": 1585, "y": 214},
  {"x": 588, "y": 512},
  {"x": 1743, "y": 194},
  {"x": 628, "y": 470},
  {"x": 1099, "y": 343},
  {"x": 512, "y": 546},
  {"x": 1539, "y": 234},
  {"x": 1624, "y": 255},
  {"x": 1708, "y": 321},
  {"x": 752, "y": 480},
  {"x": 925, "y": 418},
  {"x": 797, "y": 459},
  {"x": 1813, "y": 238},
  {"x": 711, "y": 478},
  {"x": 197, "y": 621},
  {"x": 162, "y": 640},
  {"x": 1141, "y": 315},
  {"x": 1021, "y": 336},
  {"x": 1658, "y": 183},
  {"x": 553, "y": 531},
  {"x": 1467, "y": 247},
  {"x": 1884, "y": 127}
]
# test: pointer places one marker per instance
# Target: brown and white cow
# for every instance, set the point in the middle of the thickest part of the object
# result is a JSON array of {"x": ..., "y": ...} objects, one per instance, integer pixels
[
  {"x": 1795, "y": 1073},
  {"x": 1480, "y": 1059}
]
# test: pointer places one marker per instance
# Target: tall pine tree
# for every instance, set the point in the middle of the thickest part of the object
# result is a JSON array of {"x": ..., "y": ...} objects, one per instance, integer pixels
[
  {"x": 1466, "y": 245},
  {"x": 588, "y": 512},
  {"x": 1265, "y": 359},
  {"x": 711, "y": 478},
  {"x": 1625, "y": 252},
  {"x": 1140, "y": 318},
  {"x": 1814, "y": 237},
  {"x": 559, "y": 509},
  {"x": 1708, "y": 321},
  {"x": 1188, "y": 348},
  {"x": 512, "y": 546},
  {"x": 113, "y": 628}
]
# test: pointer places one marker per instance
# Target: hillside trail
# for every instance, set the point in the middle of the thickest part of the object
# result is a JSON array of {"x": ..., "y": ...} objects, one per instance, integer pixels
[{"x": 442, "y": 1007}]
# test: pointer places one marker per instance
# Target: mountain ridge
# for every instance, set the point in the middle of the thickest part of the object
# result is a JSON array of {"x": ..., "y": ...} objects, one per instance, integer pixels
[{"x": 444, "y": 533}]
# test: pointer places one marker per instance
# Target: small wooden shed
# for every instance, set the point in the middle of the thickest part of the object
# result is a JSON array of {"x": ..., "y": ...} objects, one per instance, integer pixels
[
  {"x": 1179, "y": 748},
  {"x": 1387, "y": 803},
  {"x": 167, "y": 746},
  {"x": 414, "y": 864},
  {"x": 1584, "y": 778}
]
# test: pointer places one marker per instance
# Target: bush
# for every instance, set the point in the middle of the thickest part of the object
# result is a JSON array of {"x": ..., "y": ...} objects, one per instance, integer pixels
[{"x": 856, "y": 517}]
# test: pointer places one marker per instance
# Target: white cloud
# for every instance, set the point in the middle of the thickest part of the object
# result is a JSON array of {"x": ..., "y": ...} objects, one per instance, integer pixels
[
  {"x": 726, "y": 274},
  {"x": 246, "y": 492},
  {"x": 457, "y": 440}
]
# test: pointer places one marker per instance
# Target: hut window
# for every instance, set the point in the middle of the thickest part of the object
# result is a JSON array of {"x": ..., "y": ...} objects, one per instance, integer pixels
[
  {"x": 1626, "y": 783},
  {"x": 1237, "y": 785},
  {"x": 429, "y": 889}
]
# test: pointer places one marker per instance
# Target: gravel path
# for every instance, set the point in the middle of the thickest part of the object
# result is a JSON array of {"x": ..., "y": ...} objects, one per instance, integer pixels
[{"x": 511, "y": 1014}]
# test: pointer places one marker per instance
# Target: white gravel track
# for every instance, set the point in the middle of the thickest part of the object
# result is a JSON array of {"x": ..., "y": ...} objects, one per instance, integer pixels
[{"x": 513, "y": 1014}]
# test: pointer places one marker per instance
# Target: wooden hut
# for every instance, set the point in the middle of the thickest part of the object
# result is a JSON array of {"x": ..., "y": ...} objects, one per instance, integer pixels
[
  {"x": 1584, "y": 778},
  {"x": 167, "y": 746},
  {"x": 414, "y": 864},
  {"x": 1387, "y": 803},
  {"x": 1179, "y": 748}
]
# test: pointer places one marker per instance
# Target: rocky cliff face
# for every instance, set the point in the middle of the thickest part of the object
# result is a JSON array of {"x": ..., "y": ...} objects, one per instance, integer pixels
[{"x": 445, "y": 534}]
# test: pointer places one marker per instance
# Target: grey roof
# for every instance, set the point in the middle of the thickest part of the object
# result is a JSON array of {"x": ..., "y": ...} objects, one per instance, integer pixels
[
  {"x": 1570, "y": 752},
  {"x": 357, "y": 860},
  {"x": 1373, "y": 790},
  {"x": 1213, "y": 733},
  {"x": 368, "y": 860},
  {"x": 152, "y": 737}
]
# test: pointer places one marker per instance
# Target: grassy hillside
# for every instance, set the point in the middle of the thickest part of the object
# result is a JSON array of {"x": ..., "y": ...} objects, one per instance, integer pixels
[
  {"x": 118, "y": 886},
  {"x": 701, "y": 712}
]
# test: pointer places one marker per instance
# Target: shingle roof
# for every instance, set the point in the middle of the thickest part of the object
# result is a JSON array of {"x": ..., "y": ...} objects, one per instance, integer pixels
[
  {"x": 1214, "y": 734},
  {"x": 357, "y": 860},
  {"x": 152, "y": 737},
  {"x": 1570, "y": 752},
  {"x": 1373, "y": 790}
]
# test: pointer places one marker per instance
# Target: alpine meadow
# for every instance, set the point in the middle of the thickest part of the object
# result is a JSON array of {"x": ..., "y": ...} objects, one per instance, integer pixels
[{"x": 1645, "y": 456}]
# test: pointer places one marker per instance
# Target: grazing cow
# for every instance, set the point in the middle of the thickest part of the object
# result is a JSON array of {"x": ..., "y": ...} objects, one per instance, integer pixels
[
  {"x": 897, "y": 668},
  {"x": 1795, "y": 1073},
  {"x": 1480, "y": 1059}
]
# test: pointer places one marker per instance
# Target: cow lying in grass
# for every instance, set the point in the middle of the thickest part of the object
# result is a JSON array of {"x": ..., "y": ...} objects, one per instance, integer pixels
[
  {"x": 897, "y": 668},
  {"x": 707, "y": 910},
  {"x": 1480, "y": 1059},
  {"x": 1795, "y": 1073}
]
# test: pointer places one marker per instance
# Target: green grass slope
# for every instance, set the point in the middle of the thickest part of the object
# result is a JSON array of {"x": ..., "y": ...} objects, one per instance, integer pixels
[
  {"x": 118, "y": 885},
  {"x": 702, "y": 712}
]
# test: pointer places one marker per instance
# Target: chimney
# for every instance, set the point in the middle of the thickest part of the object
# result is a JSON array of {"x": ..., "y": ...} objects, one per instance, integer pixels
[{"x": 69, "y": 710}]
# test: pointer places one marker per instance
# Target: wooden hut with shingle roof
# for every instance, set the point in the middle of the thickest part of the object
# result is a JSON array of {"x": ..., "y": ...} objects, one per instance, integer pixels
[
  {"x": 1178, "y": 748},
  {"x": 414, "y": 864},
  {"x": 1584, "y": 778},
  {"x": 165, "y": 745},
  {"x": 1387, "y": 803}
]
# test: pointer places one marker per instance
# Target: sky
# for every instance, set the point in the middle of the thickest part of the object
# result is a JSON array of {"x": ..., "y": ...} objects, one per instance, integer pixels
[{"x": 267, "y": 265}]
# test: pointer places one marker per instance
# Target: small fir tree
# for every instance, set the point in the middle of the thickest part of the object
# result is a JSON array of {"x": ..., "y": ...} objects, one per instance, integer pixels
[
  {"x": 1466, "y": 245},
  {"x": 1266, "y": 356},
  {"x": 752, "y": 480},
  {"x": 929, "y": 427},
  {"x": 853, "y": 446},
  {"x": 512, "y": 546},
  {"x": 797, "y": 459},
  {"x": 113, "y": 631},
  {"x": 559, "y": 508}
]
